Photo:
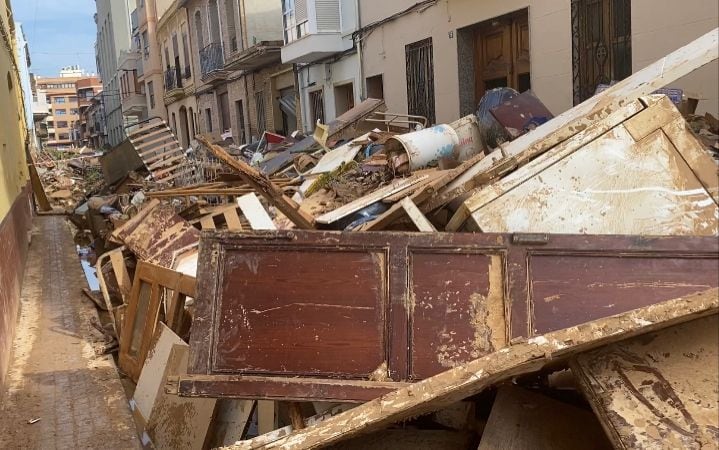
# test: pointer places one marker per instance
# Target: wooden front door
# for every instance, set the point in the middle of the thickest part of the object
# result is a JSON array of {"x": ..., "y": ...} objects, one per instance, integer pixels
[{"x": 501, "y": 49}]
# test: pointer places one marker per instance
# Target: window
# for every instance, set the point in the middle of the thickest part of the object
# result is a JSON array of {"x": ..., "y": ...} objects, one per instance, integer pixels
[
  {"x": 62, "y": 124},
  {"x": 145, "y": 44},
  {"x": 214, "y": 12},
  {"x": 198, "y": 29},
  {"x": 375, "y": 87},
  {"x": 224, "y": 103},
  {"x": 59, "y": 100},
  {"x": 420, "y": 79},
  {"x": 174, "y": 124},
  {"x": 601, "y": 44},
  {"x": 73, "y": 111},
  {"x": 63, "y": 137},
  {"x": 208, "y": 119},
  {"x": 294, "y": 18},
  {"x": 151, "y": 92},
  {"x": 186, "y": 53},
  {"x": 317, "y": 106},
  {"x": 60, "y": 112},
  {"x": 261, "y": 112},
  {"x": 240, "y": 112},
  {"x": 344, "y": 98},
  {"x": 231, "y": 29},
  {"x": 9, "y": 82}
]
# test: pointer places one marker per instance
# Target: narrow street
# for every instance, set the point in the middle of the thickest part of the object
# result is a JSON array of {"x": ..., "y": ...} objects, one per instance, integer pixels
[{"x": 55, "y": 376}]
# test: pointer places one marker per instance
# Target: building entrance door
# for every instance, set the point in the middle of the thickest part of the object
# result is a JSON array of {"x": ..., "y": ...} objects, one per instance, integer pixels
[{"x": 501, "y": 54}]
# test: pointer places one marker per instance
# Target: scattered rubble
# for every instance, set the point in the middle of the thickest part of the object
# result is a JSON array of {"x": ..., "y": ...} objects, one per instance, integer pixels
[{"x": 258, "y": 287}]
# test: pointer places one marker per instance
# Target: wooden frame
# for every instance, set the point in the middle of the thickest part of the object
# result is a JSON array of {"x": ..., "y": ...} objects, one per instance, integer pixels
[
  {"x": 144, "y": 311},
  {"x": 482, "y": 290}
]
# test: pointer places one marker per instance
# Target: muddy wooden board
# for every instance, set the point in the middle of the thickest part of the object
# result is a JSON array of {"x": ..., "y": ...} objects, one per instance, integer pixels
[
  {"x": 156, "y": 232},
  {"x": 634, "y": 179},
  {"x": 526, "y": 420},
  {"x": 346, "y": 316},
  {"x": 660, "y": 390}
]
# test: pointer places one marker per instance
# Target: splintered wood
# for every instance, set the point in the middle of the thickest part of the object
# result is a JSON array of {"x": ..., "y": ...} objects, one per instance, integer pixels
[
  {"x": 660, "y": 390},
  {"x": 471, "y": 378},
  {"x": 262, "y": 185}
]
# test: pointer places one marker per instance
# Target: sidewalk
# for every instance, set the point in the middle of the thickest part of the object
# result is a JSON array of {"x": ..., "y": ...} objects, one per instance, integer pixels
[{"x": 55, "y": 376}]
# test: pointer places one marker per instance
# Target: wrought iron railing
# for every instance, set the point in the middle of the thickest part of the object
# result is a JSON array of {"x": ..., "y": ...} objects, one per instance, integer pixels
[
  {"x": 211, "y": 58},
  {"x": 173, "y": 78}
]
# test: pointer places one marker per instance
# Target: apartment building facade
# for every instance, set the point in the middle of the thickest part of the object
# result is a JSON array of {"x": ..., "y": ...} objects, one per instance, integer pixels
[
  {"x": 113, "y": 37},
  {"x": 241, "y": 86},
  {"x": 437, "y": 59},
  {"x": 318, "y": 39},
  {"x": 173, "y": 34},
  {"x": 87, "y": 89},
  {"x": 61, "y": 94},
  {"x": 15, "y": 192}
]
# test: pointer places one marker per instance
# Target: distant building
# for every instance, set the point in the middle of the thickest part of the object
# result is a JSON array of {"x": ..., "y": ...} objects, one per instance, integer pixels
[
  {"x": 87, "y": 90},
  {"x": 113, "y": 37},
  {"x": 63, "y": 97}
]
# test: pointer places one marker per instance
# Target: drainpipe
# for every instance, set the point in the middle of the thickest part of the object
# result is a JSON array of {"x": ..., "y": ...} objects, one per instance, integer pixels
[{"x": 363, "y": 88}]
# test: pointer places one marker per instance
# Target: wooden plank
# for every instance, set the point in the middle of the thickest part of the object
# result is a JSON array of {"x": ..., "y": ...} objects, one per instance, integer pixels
[
  {"x": 121, "y": 274},
  {"x": 657, "y": 391},
  {"x": 363, "y": 202},
  {"x": 266, "y": 416},
  {"x": 659, "y": 112},
  {"x": 419, "y": 220},
  {"x": 255, "y": 213},
  {"x": 612, "y": 185},
  {"x": 657, "y": 75},
  {"x": 164, "y": 162},
  {"x": 410, "y": 439},
  {"x": 177, "y": 422},
  {"x": 526, "y": 420},
  {"x": 263, "y": 185},
  {"x": 694, "y": 154},
  {"x": 232, "y": 220},
  {"x": 471, "y": 378}
]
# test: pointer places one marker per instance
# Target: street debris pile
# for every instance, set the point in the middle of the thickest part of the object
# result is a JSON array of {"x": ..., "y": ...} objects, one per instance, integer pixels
[
  {"x": 66, "y": 177},
  {"x": 511, "y": 279}
]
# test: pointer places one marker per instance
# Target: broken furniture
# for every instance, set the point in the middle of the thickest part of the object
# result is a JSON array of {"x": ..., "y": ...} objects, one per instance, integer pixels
[
  {"x": 640, "y": 171},
  {"x": 351, "y": 316},
  {"x": 161, "y": 152},
  {"x": 158, "y": 294}
]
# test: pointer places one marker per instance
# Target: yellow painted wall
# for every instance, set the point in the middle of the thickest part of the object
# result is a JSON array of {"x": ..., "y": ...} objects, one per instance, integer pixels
[{"x": 13, "y": 166}]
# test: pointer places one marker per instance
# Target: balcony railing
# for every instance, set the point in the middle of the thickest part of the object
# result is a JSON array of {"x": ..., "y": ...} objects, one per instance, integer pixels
[
  {"x": 173, "y": 79},
  {"x": 187, "y": 73},
  {"x": 211, "y": 58}
]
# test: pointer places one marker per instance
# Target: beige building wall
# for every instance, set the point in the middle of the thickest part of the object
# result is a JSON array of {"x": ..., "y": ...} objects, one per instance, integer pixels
[
  {"x": 384, "y": 53},
  {"x": 661, "y": 26},
  {"x": 658, "y": 27}
]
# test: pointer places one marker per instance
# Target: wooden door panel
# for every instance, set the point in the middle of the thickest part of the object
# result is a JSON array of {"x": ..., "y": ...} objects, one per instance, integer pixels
[
  {"x": 302, "y": 312},
  {"x": 568, "y": 290},
  {"x": 457, "y": 304},
  {"x": 348, "y": 316}
]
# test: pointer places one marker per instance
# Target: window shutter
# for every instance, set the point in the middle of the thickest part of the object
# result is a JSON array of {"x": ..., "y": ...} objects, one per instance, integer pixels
[
  {"x": 328, "y": 15},
  {"x": 300, "y": 11}
]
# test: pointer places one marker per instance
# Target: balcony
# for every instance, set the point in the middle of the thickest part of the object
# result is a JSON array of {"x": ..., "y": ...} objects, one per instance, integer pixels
[
  {"x": 259, "y": 55},
  {"x": 187, "y": 73},
  {"x": 134, "y": 104},
  {"x": 212, "y": 63},
  {"x": 134, "y": 20},
  {"x": 313, "y": 47},
  {"x": 173, "y": 84}
]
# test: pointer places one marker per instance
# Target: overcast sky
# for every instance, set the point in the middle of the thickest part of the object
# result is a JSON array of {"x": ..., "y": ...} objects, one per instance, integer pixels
[{"x": 60, "y": 32}]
